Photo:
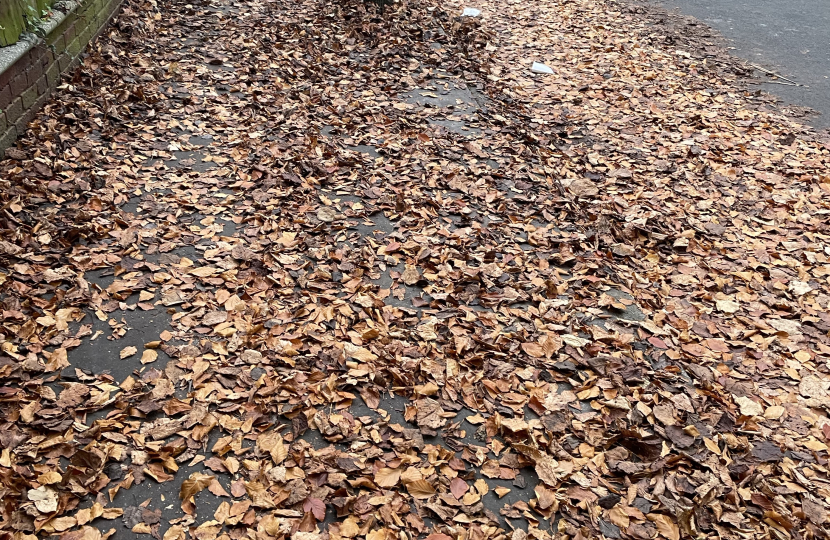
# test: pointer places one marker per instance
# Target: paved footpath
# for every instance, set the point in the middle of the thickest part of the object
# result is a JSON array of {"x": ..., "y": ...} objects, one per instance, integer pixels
[
  {"x": 789, "y": 37},
  {"x": 295, "y": 269}
]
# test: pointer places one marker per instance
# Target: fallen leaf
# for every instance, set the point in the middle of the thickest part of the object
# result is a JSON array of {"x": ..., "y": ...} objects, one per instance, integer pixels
[
  {"x": 194, "y": 484},
  {"x": 420, "y": 489}
]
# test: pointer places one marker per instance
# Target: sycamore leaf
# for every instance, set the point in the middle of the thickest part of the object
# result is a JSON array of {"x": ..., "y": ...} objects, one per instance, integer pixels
[{"x": 316, "y": 507}]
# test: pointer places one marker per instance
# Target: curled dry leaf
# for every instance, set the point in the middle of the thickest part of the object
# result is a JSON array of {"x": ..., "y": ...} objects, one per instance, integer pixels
[
  {"x": 634, "y": 250},
  {"x": 194, "y": 484},
  {"x": 45, "y": 499}
]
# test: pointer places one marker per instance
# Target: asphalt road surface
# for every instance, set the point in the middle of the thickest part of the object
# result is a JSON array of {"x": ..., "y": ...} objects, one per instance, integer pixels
[{"x": 789, "y": 37}]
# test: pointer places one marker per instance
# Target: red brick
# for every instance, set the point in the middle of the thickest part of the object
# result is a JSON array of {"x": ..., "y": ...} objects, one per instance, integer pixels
[
  {"x": 42, "y": 85},
  {"x": 5, "y": 97},
  {"x": 19, "y": 82},
  {"x": 46, "y": 56},
  {"x": 64, "y": 61},
  {"x": 31, "y": 57},
  {"x": 26, "y": 86},
  {"x": 34, "y": 73},
  {"x": 14, "y": 110},
  {"x": 69, "y": 33},
  {"x": 42, "y": 100},
  {"x": 59, "y": 44},
  {"x": 7, "y": 139},
  {"x": 6, "y": 77}
]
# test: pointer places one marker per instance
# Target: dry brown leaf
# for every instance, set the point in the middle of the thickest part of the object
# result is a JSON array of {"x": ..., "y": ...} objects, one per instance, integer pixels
[
  {"x": 665, "y": 526},
  {"x": 148, "y": 356},
  {"x": 194, "y": 484},
  {"x": 387, "y": 478},
  {"x": 420, "y": 489}
]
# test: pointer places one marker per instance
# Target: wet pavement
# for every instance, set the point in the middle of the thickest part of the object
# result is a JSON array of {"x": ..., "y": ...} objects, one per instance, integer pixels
[{"x": 790, "y": 38}]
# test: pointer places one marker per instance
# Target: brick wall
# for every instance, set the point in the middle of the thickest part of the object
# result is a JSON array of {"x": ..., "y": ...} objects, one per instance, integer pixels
[{"x": 26, "y": 85}]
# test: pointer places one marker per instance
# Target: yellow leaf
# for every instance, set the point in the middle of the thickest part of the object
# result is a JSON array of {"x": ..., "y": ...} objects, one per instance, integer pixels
[
  {"x": 410, "y": 275},
  {"x": 51, "y": 477},
  {"x": 193, "y": 485},
  {"x": 551, "y": 343},
  {"x": 411, "y": 474},
  {"x": 619, "y": 517},
  {"x": 428, "y": 389},
  {"x": 481, "y": 486},
  {"x": 148, "y": 356},
  {"x": 774, "y": 413},
  {"x": 203, "y": 271},
  {"x": 62, "y": 523},
  {"x": 359, "y": 353},
  {"x": 273, "y": 444},
  {"x": 111, "y": 513},
  {"x": 349, "y": 528},
  {"x": 711, "y": 445},
  {"x": 420, "y": 489},
  {"x": 815, "y": 445},
  {"x": 665, "y": 526},
  {"x": 387, "y": 477},
  {"x": 259, "y": 495},
  {"x": 551, "y": 471},
  {"x": 88, "y": 514},
  {"x": 176, "y": 532}
]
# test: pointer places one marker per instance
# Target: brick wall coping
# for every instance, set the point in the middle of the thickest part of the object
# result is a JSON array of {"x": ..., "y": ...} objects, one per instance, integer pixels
[
  {"x": 28, "y": 41},
  {"x": 31, "y": 69}
]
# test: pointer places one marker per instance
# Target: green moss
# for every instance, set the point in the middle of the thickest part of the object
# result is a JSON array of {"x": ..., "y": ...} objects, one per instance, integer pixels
[
  {"x": 12, "y": 22},
  {"x": 19, "y": 15}
]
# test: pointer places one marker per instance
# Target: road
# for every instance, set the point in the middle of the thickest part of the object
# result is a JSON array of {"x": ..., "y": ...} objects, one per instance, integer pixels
[{"x": 790, "y": 37}]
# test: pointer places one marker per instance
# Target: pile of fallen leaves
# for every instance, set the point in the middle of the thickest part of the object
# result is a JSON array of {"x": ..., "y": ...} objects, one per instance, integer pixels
[{"x": 603, "y": 291}]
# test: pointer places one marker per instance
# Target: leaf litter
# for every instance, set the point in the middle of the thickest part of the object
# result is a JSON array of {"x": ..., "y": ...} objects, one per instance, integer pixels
[{"x": 602, "y": 291}]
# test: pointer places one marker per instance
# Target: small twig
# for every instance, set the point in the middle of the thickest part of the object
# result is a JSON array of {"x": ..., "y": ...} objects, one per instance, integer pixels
[
  {"x": 782, "y": 82},
  {"x": 774, "y": 74}
]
